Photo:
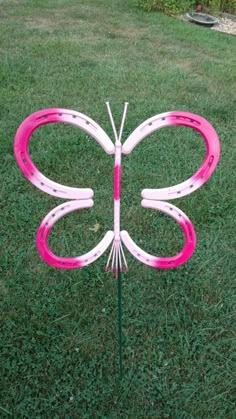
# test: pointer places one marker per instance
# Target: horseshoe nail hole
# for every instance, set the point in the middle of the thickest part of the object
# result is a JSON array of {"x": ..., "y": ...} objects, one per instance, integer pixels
[
  {"x": 54, "y": 190},
  {"x": 60, "y": 114},
  {"x": 45, "y": 116},
  {"x": 163, "y": 119},
  {"x": 32, "y": 174},
  {"x": 87, "y": 122},
  {"x": 62, "y": 209},
  {"x": 179, "y": 192},
  {"x": 171, "y": 209},
  {"x": 24, "y": 160},
  {"x": 41, "y": 183},
  {"x": 53, "y": 215},
  {"x": 74, "y": 116},
  {"x": 179, "y": 215},
  {"x": 191, "y": 186},
  {"x": 150, "y": 123},
  {"x": 46, "y": 224}
]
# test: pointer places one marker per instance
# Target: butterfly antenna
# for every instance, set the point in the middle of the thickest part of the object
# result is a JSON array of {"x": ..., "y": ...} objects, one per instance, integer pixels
[
  {"x": 112, "y": 121},
  {"x": 123, "y": 120}
]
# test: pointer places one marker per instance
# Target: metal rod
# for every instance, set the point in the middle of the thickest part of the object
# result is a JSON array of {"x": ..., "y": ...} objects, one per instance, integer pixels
[
  {"x": 112, "y": 121},
  {"x": 119, "y": 285},
  {"x": 123, "y": 121}
]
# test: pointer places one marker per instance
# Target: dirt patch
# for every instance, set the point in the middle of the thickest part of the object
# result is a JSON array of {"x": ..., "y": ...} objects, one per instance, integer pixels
[{"x": 39, "y": 22}]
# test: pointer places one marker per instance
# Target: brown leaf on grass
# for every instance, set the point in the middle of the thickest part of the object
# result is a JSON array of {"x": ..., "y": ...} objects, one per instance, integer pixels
[{"x": 95, "y": 228}]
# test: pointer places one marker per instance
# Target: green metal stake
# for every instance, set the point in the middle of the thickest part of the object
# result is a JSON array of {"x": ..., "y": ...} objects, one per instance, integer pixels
[{"x": 119, "y": 285}]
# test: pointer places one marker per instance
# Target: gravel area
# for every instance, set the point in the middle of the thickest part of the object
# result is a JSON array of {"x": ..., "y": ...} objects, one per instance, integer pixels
[{"x": 226, "y": 25}]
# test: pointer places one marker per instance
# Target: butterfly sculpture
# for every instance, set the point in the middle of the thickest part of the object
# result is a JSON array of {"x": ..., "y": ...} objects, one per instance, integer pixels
[{"x": 82, "y": 198}]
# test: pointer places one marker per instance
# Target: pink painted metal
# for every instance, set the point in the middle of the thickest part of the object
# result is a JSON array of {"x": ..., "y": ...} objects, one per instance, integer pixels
[
  {"x": 65, "y": 262},
  {"x": 117, "y": 256},
  {"x": 117, "y": 178},
  {"x": 49, "y": 116},
  {"x": 153, "y": 198},
  {"x": 190, "y": 120},
  {"x": 164, "y": 262}
]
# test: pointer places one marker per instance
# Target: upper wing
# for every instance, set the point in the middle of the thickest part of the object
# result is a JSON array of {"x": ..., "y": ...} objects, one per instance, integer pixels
[
  {"x": 48, "y": 116},
  {"x": 190, "y": 120}
]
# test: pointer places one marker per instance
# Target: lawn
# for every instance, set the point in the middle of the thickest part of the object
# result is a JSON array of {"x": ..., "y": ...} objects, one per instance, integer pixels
[{"x": 58, "y": 337}]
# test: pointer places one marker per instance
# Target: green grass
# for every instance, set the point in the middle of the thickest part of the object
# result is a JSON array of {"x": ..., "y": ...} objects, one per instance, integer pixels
[{"x": 58, "y": 339}]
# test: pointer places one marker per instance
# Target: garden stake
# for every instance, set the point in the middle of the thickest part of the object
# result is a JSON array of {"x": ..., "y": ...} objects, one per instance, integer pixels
[
  {"x": 119, "y": 286},
  {"x": 82, "y": 198}
]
